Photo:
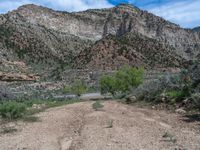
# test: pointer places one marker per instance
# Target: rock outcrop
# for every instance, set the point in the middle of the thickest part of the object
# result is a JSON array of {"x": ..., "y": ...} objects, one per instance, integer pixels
[{"x": 10, "y": 77}]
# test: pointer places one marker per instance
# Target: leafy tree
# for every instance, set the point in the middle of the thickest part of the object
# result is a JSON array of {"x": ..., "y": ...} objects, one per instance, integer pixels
[
  {"x": 128, "y": 78},
  {"x": 122, "y": 81},
  {"x": 108, "y": 84}
]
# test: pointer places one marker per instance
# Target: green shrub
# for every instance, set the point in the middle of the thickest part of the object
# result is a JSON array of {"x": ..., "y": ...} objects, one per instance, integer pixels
[
  {"x": 12, "y": 110},
  {"x": 110, "y": 124},
  {"x": 176, "y": 94},
  {"x": 78, "y": 87},
  {"x": 66, "y": 89},
  {"x": 128, "y": 78},
  {"x": 122, "y": 81},
  {"x": 97, "y": 105},
  {"x": 108, "y": 85},
  {"x": 196, "y": 99}
]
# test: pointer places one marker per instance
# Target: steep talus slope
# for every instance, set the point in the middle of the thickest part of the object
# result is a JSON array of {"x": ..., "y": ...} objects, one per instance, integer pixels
[{"x": 113, "y": 52}]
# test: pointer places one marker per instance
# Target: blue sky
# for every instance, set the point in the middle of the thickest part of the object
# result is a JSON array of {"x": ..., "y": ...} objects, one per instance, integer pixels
[{"x": 186, "y": 13}]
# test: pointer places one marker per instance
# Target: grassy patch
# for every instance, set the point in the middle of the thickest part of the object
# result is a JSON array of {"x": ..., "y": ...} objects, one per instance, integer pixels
[
  {"x": 97, "y": 105},
  {"x": 6, "y": 130}
]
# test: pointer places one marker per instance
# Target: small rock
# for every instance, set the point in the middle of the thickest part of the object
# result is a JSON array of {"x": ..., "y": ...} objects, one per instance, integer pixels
[
  {"x": 163, "y": 99},
  {"x": 180, "y": 111},
  {"x": 131, "y": 99},
  {"x": 35, "y": 106},
  {"x": 185, "y": 101}
]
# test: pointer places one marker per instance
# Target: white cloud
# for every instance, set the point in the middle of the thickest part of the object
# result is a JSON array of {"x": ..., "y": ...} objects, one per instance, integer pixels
[
  {"x": 67, "y": 5},
  {"x": 77, "y": 5},
  {"x": 185, "y": 13},
  {"x": 8, "y": 5}
]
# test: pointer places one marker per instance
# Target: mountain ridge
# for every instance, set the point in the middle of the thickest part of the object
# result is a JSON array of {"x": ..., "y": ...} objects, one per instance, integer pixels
[
  {"x": 196, "y": 29},
  {"x": 47, "y": 40},
  {"x": 95, "y": 24}
]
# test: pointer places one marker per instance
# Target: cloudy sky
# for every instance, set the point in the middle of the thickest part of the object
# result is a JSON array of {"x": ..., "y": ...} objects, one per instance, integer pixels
[{"x": 183, "y": 12}]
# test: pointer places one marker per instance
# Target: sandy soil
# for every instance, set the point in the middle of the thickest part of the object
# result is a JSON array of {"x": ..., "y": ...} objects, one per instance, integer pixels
[{"x": 115, "y": 127}]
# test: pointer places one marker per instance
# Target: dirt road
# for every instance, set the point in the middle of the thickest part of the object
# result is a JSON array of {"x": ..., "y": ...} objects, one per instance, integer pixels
[{"x": 115, "y": 127}]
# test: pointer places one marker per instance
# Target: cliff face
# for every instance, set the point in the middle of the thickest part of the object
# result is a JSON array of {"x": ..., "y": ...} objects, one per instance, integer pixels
[{"x": 45, "y": 39}]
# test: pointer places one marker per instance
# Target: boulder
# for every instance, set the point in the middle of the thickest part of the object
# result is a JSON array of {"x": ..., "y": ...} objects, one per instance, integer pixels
[{"x": 131, "y": 99}]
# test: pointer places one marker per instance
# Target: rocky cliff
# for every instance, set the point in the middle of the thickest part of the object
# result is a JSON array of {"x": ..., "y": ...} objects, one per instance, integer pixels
[{"x": 51, "y": 41}]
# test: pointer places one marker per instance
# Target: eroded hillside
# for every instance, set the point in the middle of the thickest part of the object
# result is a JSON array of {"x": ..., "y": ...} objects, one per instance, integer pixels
[{"x": 47, "y": 41}]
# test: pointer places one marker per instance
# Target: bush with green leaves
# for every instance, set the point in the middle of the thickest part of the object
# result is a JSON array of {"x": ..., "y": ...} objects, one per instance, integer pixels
[
  {"x": 78, "y": 87},
  {"x": 108, "y": 84},
  {"x": 97, "y": 105},
  {"x": 25, "y": 109},
  {"x": 176, "y": 94},
  {"x": 66, "y": 89},
  {"x": 196, "y": 99},
  {"x": 122, "y": 81},
  {"x": 12, "y": 110}
]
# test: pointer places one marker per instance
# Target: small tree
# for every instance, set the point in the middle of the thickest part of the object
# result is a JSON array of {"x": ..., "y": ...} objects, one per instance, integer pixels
[
  {"x": 78, "y": 87},
  {"x": 122, "y": 81},
  {"x": 128, "y": 78},
  {"x": 108, "y": 84}
]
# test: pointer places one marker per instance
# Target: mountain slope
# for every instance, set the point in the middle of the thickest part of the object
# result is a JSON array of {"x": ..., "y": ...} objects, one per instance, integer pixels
[
  {"x": 45, "y": 40},
  {"x": 36, "y": 45},
  {"x": 113, "y": 52},
  {"x": 95, "y": 24}
]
